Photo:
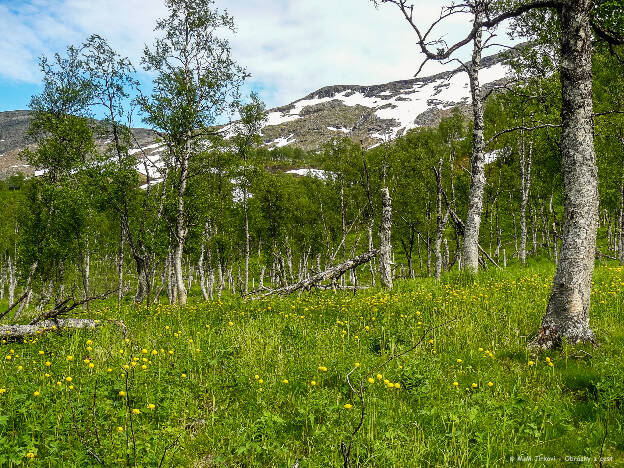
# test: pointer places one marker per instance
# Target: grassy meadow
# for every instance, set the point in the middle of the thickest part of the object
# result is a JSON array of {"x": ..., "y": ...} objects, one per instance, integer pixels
[{"x": 236, "y": 383}]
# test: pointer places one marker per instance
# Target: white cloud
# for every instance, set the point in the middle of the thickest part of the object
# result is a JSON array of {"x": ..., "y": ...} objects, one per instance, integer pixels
[{"x": 291, "y": 47}]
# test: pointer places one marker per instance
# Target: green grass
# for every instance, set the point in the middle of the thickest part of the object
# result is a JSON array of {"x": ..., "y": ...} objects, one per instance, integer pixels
[{"x": 211, "y": 410}]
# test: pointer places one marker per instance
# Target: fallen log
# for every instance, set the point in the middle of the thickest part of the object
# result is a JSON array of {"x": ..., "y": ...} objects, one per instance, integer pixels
[
  {"x": 22, "y": 331},
  {"x": 332, "y": 273}
]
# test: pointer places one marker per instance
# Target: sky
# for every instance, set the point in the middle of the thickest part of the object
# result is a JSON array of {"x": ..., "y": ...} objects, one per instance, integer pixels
[{"x": 290, "y": 47}]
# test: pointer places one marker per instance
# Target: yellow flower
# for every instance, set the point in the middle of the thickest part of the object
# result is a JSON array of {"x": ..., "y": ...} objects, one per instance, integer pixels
[
  {"x": 459, "y": 361},
  {"x": 322, "y": 368},
  {"x": 260, "y": 381},
  {"x": 183, "y": 376},
  {"x": 154, "y": 352},
  {"x": 531, "y": 363},
  {"x": 480, "y": 349},
  {"x": 71, "y": 387},
  {"x": 19, "y": 367},
  {"x": 430, "y": 341},
  {"x": 390, "y": 385},
  {"x": 89, "y": 342},
  {"x": 2, "y": 390},
  {"x": 256, "y": 376},
  {"x": 136, "y": 411},
  {"x": 143, "y": 367},
  {"x": 230, "y": 323},
  {"x": 30, "y": 455},
  {"x": 91, "y": 365},
  {"x": 285, "y": 381},
  {"x": 547, "y": 359},
  {"x": 122, "y": 393},
  {"x": 47, "y": 375},
  {"x": 89, "y": 348},
  {"x": 313, "y": 383},
  {"x": 70, "y": 358},
  {"x": 151, "y": 406},
  {"x": 36, "y": 393},
  {"x": 455, "y": 384},
  {"x": 69, "y": 379},
  {"x": 109, "y": 370},
  {"x": 119, "y": 429},
  {"x": 144, "y": 351},
  {"x": 371, "y": 380},
  {"x": 48, "y": 363},
  {"x": 379, "y": 376},
  {"x": 126, "y": 366},
  {"x": 171, "y": 352},
  {"x": 41, "y": 352},
  {"x": 551, "y": 364},
  {"x": 474, "y": 385},
  {"x": 490, "y": 384},
  {"x": 348, "y": 406},
  {"x": 357, "y": 364},
  {"x": 397, "y": 385}
]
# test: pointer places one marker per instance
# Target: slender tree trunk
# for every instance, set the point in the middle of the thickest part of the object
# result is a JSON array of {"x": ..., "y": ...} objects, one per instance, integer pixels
[
  {"x": 385, "y": 244},
  {"x": 567, "y": 313},
  {"x": 181, "y": 231},
  {"x": 441, "y": 220},
  {"x": 120, "y": 267},
  {"x": 247, "y": 250},
  {"x": 477, "y": 181},
  {"x": 12, "y": 280}
]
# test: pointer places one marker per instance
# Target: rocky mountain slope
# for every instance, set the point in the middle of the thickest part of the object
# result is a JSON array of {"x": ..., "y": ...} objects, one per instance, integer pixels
[
  {"x": 375, "y": 113},
  {"x": 372, "y": 114}
]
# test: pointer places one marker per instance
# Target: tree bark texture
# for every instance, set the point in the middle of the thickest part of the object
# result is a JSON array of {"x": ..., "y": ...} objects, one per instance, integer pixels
[
  {"x": 567, "y": 313},
  {"x": 385, "y": 244},
  {"x": 477, "y": 180}
]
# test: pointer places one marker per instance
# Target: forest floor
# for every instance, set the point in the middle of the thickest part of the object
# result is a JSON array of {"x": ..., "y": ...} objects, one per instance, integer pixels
[{"x": 263, "y": 383}]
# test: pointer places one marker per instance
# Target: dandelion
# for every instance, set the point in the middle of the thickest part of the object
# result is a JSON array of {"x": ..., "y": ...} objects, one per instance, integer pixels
[
  {"x": 397, "y": 385},
  {"x": 30, "y": 455},
  {"x": 183, "y": 376},
  {"x": 490, "y": 384},
  {"x": 313, "y": 383},
  {"x": 68, "y": 379},
  {"x": 231, "y": 324},
  {"x": 136, "y": 411},
  {"x": 531, "y": 363},
  {"x": 151, "y": 406},
  {"x": 48, "y": 363},
  {"x": 41, "y": 353},
  {"x": 348, "y": 406},
  {"x": 379, "y": 376},
  {"x": 122, "y": 393},
  {"x": 144, "y": 351},
  {"x": 36, "y": 393},
  {"x": 357, "y": 364},
  {"x": 119, "y": 429},
  {"x": 322, "y": 368},
  {"x": 86, "y": 361},
  {"x": 430, "y": 341},
  {"x": 285, "y": 381},
  {"x": 3, "y": 391},
  {"x": 480, "y": 350},
  {"x": 547, "y": 359},
  {"x": 474, "y": 385},
  {"x": 19, "y": 367},
  {"x": 371, "y": 380},
  {"x": 459, "y": 361},
  {"x": 550, "y": 364},
  {"x": 109, "y": 370},
  {"x": 47, "y": 375},
  {"x": 71, "y": 387},
  {"x": 260, "y": 381},
  {"x": 70, "y": 358},
  {"x": 89, "y": 342},
  {"x": 455, "y": 384}
]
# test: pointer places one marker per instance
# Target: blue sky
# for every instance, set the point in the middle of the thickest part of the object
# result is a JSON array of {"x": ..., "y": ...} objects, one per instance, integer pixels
[{"x": 291, "y": 47}]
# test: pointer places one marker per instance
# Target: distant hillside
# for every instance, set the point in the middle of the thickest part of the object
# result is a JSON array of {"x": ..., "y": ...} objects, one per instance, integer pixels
[{"x": 368, "y": 113}]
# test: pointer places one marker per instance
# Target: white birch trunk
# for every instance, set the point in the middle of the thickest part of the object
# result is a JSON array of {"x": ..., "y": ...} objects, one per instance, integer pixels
[
  {"x": 567, "y": 313},
  {"x": 385, "y": 243}
]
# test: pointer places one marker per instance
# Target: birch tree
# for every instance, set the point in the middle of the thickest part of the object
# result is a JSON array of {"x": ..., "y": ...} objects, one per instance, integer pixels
[{"x": 197, "y": 82}]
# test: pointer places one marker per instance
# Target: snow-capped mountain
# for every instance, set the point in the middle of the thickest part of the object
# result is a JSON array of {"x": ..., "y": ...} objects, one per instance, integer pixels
[
  {"x": 376, "y": 113},
  {"x": 371, "y": 114}
]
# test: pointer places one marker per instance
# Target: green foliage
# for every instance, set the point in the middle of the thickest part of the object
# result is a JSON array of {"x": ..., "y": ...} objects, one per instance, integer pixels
[{"x": 216, "y": 374}]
